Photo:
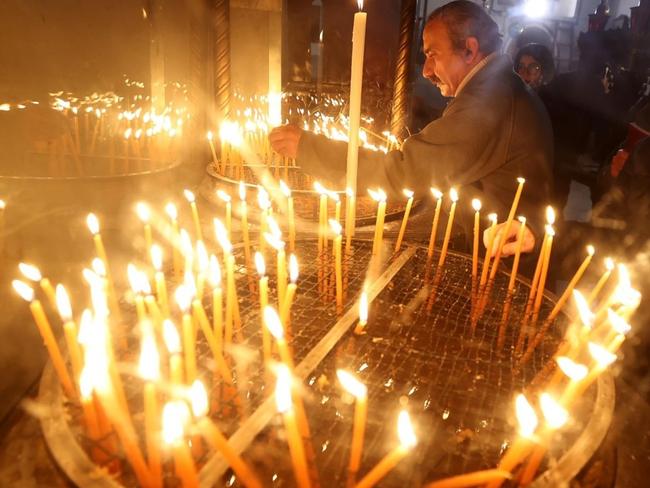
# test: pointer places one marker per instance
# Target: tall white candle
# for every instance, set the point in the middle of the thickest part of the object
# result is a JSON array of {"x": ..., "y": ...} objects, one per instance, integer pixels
[{"x": 356, "y": 81}]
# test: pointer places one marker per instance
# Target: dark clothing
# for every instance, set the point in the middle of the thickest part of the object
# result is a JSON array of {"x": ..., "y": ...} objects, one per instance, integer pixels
[{"x": 494, "y": 131}]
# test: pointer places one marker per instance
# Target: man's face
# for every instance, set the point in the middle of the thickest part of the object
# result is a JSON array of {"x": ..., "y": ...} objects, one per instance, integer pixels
[
  {"x": 443, "y": 66},
  {"x": 530, "y": 71}
]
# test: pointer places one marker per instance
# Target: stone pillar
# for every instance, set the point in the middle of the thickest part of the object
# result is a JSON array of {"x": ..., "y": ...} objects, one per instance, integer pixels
[
  {"x": 399, "y": 110},
  {"x": 222, "y": 75}
]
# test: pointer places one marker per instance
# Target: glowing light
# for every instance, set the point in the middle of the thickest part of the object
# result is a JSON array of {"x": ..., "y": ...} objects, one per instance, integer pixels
[
  {"x": 272, "y": 321},
  {"x": 23, "y": 289},
  {"x": 476, "y": 204},
  {"x": 601, "y": 355},
  {"x": 352, "y": 385},
  {"x": 283, "y": 389},
  {"x": 408, "y": 193},
  {"x": 202, "y": 256},
  {"x": 223, "y": 196},
  {"x": 285, "y": 189},
  {"x": 521, "y": 180},
  {"x": 260, "y": 265},
  {"x": 171, "y": 211},
  {"x": 522, "y": 220},
  {"x": 263, "y": 198},
  {"x": 93, "y": 223},
  {"x": 98, "y": 267},
  {"x": 586, "y": 316},
  {"x": 618, "y": 323},
  {"x": 209, "y": 135},
  {"x": 149, "y": 365},
  {"x": 549, "y": 230},
  {"x": 214, "y": 273},
  {"x": 174, "y": 417},
  {"x": 360, "y": 5},
  {"x": 30, "y": 272},
  {"x": 405, "y": 430},
  {"x": 221, "y": 234},
  {"x": 536, "y": 8},
  {"x": 189, "y": 196},
  {"x": 453, "y": 195},
  {"x": 437, "y": 194},
  {"x": 377, "y": 196},
  {"x": 550, "y": 215},
  {"x": 526, "y": 416},
  {"x": 363, "y": 307},
  {"x": 156, "y": 257},
  {"x": 554, "y": 414},
  {"x": 591, "y": 250},
  {"x": 63, "y": 303},
  {"x": 320, "y": 188},
  {"x": 336, "y": 227},
  {"x": 573, "y": 370},
  {"x": 293, "y": 268},
  {"x": 171, "y": 337},
  {"x": 493, "y": 218},
  {"x": 86, "y": 386},
  {"x": 198, "y": 399},
  {"x": 183, "y": 298},
  {"x": 242, "y": 191},
  {"x": 142, "y": 209},
  {"x": 609, "y": 264}
]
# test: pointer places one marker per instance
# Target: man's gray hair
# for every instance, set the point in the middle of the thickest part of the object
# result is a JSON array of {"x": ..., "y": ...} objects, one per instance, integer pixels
[{"x": 464, "y": 19}]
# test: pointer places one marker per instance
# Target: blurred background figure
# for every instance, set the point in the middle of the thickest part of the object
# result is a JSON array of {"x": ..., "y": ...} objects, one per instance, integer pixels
[{"x": 534, "y": 64}]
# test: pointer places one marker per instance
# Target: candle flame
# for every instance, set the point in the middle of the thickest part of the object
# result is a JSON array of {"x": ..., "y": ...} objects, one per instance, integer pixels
[
  {"x": 214, "y": 274},
  {"x": 360, "y": 5},
  {"x": 86, "y": 386},
  {"x": 349, "y": 192},
  {"x": 199, "y": 399},
  {"x": 363, "y": 307},
  {"x": 242, "y": 191},
  {"x": 171, "y": 337},
  {"x": 273, "y": 241},
  {"x": 209, "y": 135},
  {"x": 352, "y": 385},
  {"x": 522, "y": 219},
  {"x": 320, "y": 188},
  {"x": 609, "y": 264},
  {"x": 156, "y": 257},
  {"x": 336, "y": 227},
  {"x": 550, "y": 215},
  {"x": 174, "y": 417},
  {"x": 624, "y": 293},
  {"x": 93, "y": 223},
  {"x": 171, "y": 211},
  {"x": 3, "y": 205},
  {"x": 493, "y": 218},
  {"x": 85, "y": 334},
  {"x": 586, "y": 316},
  {"x": 63, "y": 303},
  {"x": 273, "y": 323},
  {"x": 377, "y": 196},
  {"x": 186, "y": 244},
  {"x": 601, "y": 355},
  {"x": 550, "y": 231},
  {"x": 149, "y": 365},
  {"x": 285, "y": 189},
  {"x": 521, "y": 180},
  {"x": 283, "y": 389},
  {"x": 202, "y": 255},
  {"x": 591, "y": 250},
  {"x": 405, "y": 430},
  {"x": 23, "y": 289},
  {"x": 573, "y": 370},
  {"x": 98, "y": 267},
  {"x": 476, "y": 204},
  {"x": 222, "y": 236},
  {"x": 223, "y": 196},
  {"x": 618, "y": 323},
  {"x": 189, "y": 196},
  {"x": 138, "y": 280},
  {"x": 183, "y": 297},
  {"x": 408, "y": 193},
  {"x": 437, "y": 194},
  {"x": 274, "y": 228},
  {"x": 260, "y": 264},
  {"x": 453, "y": 195},
  {"x": 526, "y": 416},
  {"x": 263, "y": 200},
  {"x": 293, "y": 268},
  {"x": 30, "y": 272},
  {"x": 554, "y": 414}
]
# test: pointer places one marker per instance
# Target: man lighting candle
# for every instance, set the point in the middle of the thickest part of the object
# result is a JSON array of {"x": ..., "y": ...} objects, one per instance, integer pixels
[{"x": 492, "y": 132}]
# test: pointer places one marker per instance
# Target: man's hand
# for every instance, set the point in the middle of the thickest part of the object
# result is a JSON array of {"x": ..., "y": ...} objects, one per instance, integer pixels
[
  {"x": 510, "y": 246},
  {"x": 285, "y": 139}
]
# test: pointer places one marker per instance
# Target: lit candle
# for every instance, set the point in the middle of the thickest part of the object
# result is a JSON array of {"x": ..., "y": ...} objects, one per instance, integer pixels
[
  {"x": 550, "y": 233},
  {"x": 360, "y": 392},
  {"x": 519, "y": 449},
  {"x": 363, "y": 314},
  {"x": 149, "y": 369},
  {"x": 437, "y": 194},
  {"x": 290, "y": 216},
  {"x": 189, "y": 196},
  {"x": 350, "y": 202},
  {"x": 407, "y": 442},
  {"x": 174, "y": 417},
  {"x": 264, "y": 301},
  {"x": 453, "y": 195},
  {"x": 356, "y": 82},
  {"x": 609, "y": 267},
  {"x": 322, "y": 218},
  {"x": 93, "y": 226},
  {"x": 138, "y": 283},
  {"x": 601, "y": 358},
  {"x": 576, "y": 372},
  {"x": 144, "y": 214},
  {"x": 32, "y": 273},
  {"x": 409, "y": 203},
  {"x": 159, "y": 277},
  {"x": 203, "y": 267},
  {"x": 336, "y": 229},
  {"x": 281, "y": 269},
  {"x": 184, "y": 299},
  {"x": 214, "y": 343},
  {"x": 492, "y": 231},
  {"x": 199, "y": 401},
  {"x": 476, "y": 205},
  {"x": 214, "y": 277},
  {"x": 209, "y": 136},
  {"x": 265, "y": 204},
  {"x": 227, "y": 200},
  {"x": 380, "y": 197},
  {"x": 515, "y": 264},
  {"x": 88, "y": 407},
  {"x": 285, "y": 407},
  {"x": 172, "y": 213},
  {"x": 173, "y": 343},
  {"x": 70, "y": 330},
  {"x": 244, "y": 223},
  {"x": 285, "y": 311},
  {"x": 506, "y": 230},
  {"x": 273, "y": 324},
  {"x": 26, "y": 292}
]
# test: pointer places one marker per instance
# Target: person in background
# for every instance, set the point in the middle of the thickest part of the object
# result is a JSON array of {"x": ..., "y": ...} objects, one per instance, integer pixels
[{"x": 534, "y": 64}]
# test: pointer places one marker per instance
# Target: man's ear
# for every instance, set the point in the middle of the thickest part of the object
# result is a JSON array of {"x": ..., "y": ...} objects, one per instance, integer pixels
[{"x": 471, "y": 49}]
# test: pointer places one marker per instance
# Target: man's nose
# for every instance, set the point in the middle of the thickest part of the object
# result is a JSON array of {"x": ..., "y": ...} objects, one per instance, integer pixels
[{"x": 427, "y": 69}]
